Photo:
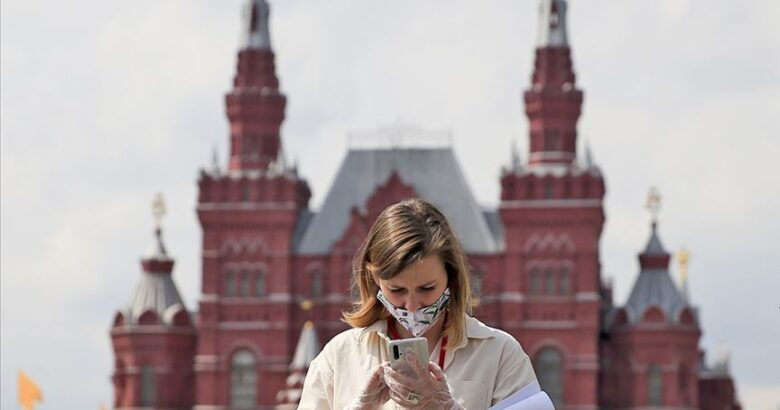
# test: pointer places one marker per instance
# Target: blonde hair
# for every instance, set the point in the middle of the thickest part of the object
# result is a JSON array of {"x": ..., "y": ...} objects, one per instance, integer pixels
[{"x": 402, "y": 234}]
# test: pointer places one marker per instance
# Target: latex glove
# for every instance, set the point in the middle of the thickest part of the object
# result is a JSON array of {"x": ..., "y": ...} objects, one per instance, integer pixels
[
  {"x": 374, "y": 392},
  {"x": 428, "y": 390}
]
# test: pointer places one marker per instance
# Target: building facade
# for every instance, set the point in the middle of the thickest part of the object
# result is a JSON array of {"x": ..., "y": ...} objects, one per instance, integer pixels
[{"x": 276, "y": 275}]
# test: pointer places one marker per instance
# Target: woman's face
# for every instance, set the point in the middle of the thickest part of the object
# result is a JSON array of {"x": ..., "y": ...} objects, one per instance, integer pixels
[{"x": 418, "y": 285}]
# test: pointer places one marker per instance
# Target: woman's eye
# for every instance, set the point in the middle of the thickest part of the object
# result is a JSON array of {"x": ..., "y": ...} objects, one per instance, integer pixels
[
  {"x": 428, "y": 289},
  {"x": 396, "y": 290}
]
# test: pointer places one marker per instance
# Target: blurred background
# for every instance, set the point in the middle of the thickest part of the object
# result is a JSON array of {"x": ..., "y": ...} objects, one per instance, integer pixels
[{"x": 104, "y": 104}]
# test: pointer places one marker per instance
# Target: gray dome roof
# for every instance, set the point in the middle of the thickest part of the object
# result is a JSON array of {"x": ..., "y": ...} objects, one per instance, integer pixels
[
  {"x": 155, "y": 291},
  {"x": 654, "y": 287}
]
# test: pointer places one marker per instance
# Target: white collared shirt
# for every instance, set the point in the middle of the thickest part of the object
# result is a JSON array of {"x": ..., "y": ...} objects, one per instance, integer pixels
[{"x": 485, "y": 367}]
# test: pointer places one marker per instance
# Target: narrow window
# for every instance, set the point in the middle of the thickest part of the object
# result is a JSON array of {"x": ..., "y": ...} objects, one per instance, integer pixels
[
  {"x": 549, "y": 372},
  {"x": 549, "y": 190},
  {"x": 243, "y": 380},
  {"x": 565, "y": 284},
  {"x": 316, "y": 283},
  {"x": 245, "y": 281},
  {"x": 536, "y": 282},
  {"x": 230, "y": 284},
  {"x": 147, "y": 386},
  {"x": 654, "y": 385},
  {"x": 244, "y": 193},
  {"x": 549, "y": 287},
  {"x": 260, "y": 283}
]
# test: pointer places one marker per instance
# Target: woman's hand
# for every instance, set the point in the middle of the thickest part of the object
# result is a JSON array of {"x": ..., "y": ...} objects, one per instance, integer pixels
[
  {"x": 374, "y": 392},
  {"x": 428, "y": 390}
]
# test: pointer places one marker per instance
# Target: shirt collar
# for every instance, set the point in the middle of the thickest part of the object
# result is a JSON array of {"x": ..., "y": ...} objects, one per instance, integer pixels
[
  {"x": 474, "y": 330},
  {"x": 380, "y": 326}
]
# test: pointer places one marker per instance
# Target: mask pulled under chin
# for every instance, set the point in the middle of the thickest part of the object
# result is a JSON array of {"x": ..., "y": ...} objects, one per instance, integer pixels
[{"x": 419, "y": 321}]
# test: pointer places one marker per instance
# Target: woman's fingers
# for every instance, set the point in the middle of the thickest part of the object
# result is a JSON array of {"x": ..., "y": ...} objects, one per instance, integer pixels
[{"x": 436, "y": 371}]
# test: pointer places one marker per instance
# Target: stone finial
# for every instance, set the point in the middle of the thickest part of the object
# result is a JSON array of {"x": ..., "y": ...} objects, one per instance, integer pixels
[{"x": 653, "y": 203}]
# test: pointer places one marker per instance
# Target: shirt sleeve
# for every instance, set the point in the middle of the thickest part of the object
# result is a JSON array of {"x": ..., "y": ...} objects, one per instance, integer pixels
[
  {"x": 318, "y": 385},
  {"x": 515, "y": 371}
]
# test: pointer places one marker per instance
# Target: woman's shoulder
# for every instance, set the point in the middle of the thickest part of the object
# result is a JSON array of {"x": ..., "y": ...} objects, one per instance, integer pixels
[
  {"x": 493, "y": 336},
  {"x": 349, "y": 339}
]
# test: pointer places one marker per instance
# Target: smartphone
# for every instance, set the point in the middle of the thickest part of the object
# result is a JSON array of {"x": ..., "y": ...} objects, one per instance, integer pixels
[{"x": 397, "y": 349}]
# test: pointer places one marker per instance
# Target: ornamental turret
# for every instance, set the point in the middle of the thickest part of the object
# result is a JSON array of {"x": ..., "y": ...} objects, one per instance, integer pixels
[
  {"x": 652, "y": 354},
  {"x": 153, "y": 336},
  {"x": 255, "y": 107},
  {"x": 654, "y": 289},
  {"x": 553, "y": 102}
]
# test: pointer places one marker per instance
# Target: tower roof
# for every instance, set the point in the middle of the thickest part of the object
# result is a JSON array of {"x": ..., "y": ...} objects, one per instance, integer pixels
[
  {"x": 654, "y": 246},
  {"x": 654, "y": 287},
  {"x": 552, "y": 24},
  {"x": 155, "y": 291},
  {"x": 254, "y": 25},
  {"x": 433, "y": 173},
  {"x": 308, "y": 348}
]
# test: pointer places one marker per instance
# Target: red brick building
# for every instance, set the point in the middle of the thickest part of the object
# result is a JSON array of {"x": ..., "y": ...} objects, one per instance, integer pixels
[{"x": 272, "y": 266}]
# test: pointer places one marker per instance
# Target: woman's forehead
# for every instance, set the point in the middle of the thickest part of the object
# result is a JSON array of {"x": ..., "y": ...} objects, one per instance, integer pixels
[{"x": 426, "y": 270}]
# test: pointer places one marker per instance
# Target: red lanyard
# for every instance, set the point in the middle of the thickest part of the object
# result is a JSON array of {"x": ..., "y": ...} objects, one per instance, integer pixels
[{"x": 442, "y": 351}]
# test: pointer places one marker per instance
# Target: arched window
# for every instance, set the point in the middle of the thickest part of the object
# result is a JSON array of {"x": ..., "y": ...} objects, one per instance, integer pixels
[
  {"x": 260, "y": 283},
  {"x": 536, "y": 282},
  {"x": 549, "y": 287},
  {"x": 230, "y": 284},
  {"x": 147, "y": 386},
  {"x": 243, "y": 379},
  {"x": 316, "y": 283},
  {"x": 565, "y": 283},
  {"x": 655, "y": 385},
  {"x": 244, "y": 287},
  {"x": 549, "y": 372}
]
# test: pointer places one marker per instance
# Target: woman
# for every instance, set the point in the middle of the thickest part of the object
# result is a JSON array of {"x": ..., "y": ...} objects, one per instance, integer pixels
[{"x": 413, "y": 280}]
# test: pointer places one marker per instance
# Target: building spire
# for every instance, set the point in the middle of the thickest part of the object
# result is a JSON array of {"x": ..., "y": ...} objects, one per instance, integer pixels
[
  {"x": 254, "y": 25},
  {"x": 215, "y": 162},
  {"x": 683, "y": 256},
  {"x": 255, "y": 107},
  {"x": 553, "y": 103},
  {"x": 588, "y": 156},
  {"x": 156, "y": 251},
  {"x": 653, "y": 204},
  {"x": 654, "y": 256},
  {"x": 156, "y": 259},
  {"x": 552, "y": 24},
  {"x": 514, "y": 164}
]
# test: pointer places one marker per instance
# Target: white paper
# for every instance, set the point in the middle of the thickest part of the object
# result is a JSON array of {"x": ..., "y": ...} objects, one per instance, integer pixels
[{"x": 530, "y": 397}]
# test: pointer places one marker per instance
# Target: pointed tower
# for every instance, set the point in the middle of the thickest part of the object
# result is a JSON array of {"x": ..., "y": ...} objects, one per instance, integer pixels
[
  {"x": 248, "y": 215},
  {"x": 255, "y": 106},
  {"x": 552, "y": 213},
  {"x": 553, "y": 102},
  {"x": 153, "y": 337},
  {"x": 308, "y": 348},
  {"x": 652, "y": 357}
]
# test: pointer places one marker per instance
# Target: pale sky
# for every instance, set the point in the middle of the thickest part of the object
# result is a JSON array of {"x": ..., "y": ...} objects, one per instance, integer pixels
[{"x": 106, "y": 103}]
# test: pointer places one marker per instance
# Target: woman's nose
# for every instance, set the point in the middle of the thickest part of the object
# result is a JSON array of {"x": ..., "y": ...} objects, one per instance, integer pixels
[{"x": 412, "y": 303}]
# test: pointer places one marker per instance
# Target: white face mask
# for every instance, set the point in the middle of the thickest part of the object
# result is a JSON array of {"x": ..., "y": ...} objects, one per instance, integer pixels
[{"x": 419, "y": 321}]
